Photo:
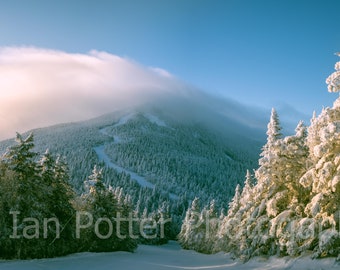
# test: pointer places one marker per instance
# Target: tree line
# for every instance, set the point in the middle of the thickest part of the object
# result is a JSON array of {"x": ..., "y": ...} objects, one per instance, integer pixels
[
  {"x": 42, "y": 216},
  {"x": 289, "y": 205}
]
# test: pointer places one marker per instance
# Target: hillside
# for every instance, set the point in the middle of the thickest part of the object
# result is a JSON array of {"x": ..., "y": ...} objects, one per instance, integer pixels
[{"x": 156, "y": 157}]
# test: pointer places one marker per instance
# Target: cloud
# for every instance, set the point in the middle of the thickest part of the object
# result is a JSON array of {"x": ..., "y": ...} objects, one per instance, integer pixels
[{"x": 41, "y": 87}]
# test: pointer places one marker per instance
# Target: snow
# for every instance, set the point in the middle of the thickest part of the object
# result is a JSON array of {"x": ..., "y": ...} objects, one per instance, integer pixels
[
  {"x": 169, "y": 256},
  {"x": 313, "y": 208},
  {"x": 328, "y": 238},
  {"x": 117, "y": 139},
  {"x": 154, "y": 119},
  {"x": 100, "y": 151},
  {"x": 123, "y": 120}
]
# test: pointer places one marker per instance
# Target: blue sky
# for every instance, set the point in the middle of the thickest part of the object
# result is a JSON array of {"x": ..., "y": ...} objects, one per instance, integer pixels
[{"x": 265, "y": 53}]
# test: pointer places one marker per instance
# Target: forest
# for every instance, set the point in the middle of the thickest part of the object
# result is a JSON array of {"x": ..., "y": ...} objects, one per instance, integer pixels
[
  {"x": 289, "y": 205},
  {"x": 63, "y": 200}
]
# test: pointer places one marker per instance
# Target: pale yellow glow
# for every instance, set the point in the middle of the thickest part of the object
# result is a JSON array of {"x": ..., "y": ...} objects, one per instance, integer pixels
[{"x": 41, "y": 87}]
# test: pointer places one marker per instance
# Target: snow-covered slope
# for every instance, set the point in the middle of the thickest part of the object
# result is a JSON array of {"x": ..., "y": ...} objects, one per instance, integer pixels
[
  {"x": 156, "y": 155},
  {"x": 166, "y": 257}
]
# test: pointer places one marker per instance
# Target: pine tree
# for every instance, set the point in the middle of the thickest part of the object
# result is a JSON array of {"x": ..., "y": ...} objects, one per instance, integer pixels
[
  {"x": 28, "y": 204},
  {"x": 294, "y": 206},
  {"x": 104, "y": 205},
  {"x": 99, "y": 203},
  {"x": 333, "y": 81},
  {"x": 59, "y": 197},
  {"x": 233, "y": 232},
  {"x": 39, "y": 200},
  {"x": 20, "y": 159},
  {"x": 130, "y": 232},
  {"x": 257, "y": 218},
  {"x": 246, "y": 195},
  {"x": 187, "y": 235},
  {"x": 234, "y": 205},
  {"x": 229, "y": 225},
  {"x": 324, "y": 179},
  {"x": 269, "y": 171},
  {"x": 211, "y": 228},
  {"x": 8, "y": 197}
]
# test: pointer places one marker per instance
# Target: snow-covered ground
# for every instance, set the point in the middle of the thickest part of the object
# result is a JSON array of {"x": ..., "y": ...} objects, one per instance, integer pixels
[{"x": 168, "y": 257}]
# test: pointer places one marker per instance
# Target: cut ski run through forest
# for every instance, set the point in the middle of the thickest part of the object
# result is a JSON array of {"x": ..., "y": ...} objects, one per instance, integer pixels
[
  {"x": 102, "y": 156},
  {"x": 169, "y": 256}
]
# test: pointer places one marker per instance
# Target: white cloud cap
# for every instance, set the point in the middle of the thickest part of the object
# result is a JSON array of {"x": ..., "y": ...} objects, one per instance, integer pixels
[{"x": 40, "y": 87}]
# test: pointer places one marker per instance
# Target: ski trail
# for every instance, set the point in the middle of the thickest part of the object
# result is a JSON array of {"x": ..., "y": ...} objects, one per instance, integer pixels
[
  {"x": 100, "y": 151},
  {"x": 102, "y": 156}
]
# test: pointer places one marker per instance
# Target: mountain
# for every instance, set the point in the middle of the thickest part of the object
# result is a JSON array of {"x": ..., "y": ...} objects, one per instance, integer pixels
[{"x": 157, "y": 154}]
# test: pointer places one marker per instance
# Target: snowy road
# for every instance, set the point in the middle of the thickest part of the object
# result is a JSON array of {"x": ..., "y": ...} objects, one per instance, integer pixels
[{"x": 166, "y": 257}]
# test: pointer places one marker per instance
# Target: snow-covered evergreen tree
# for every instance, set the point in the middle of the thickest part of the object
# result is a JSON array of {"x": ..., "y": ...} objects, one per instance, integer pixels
[
  {"x": 229, "y": 224},
  {"x": 323, "y": 178},
  {"x": 59, "y": 195},
  {"x": 187, "y": 236},
  {"x": 333, "y": 81},
  {"x": 296, "y": 200},
  {"x": 39, "y": 199},
  {"x": 256, "y": 217},
  {"x": 104, "y": 204}
]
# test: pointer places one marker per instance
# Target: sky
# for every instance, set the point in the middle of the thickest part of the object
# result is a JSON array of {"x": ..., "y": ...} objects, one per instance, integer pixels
[{"x": 261, "y": 53}]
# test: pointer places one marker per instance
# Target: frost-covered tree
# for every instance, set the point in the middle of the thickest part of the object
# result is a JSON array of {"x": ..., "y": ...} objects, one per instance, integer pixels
[
  {"x": 256, "y": 218},
  {"x": 295, "y": 204},
  {"x": 99, "y": 203},
  {"x": 36, "y": 210},
  {"x": 232, "y": 235},
  {"x": 234, "y": 205},
  {"x": 289, "y": 197},
  {"x": 27, "y": 201},
  {"x": 187, "y": 236},
  {"x": 270, "y": 170},
  {"x": 229, "y": 224},
  {"x": 323, "y": 178},
  {"x": 211, "y": 223},
  {"x": 254, "y": 225},
  {"x": 20, "y": 159},
  {"x": 247, "y": 191},
  {"x": 59, "y": 196},
  {"x": 333, "y": 81},
  {"x": 104, "y": 204}
]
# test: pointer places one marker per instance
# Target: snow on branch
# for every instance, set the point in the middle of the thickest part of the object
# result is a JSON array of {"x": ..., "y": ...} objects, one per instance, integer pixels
[{"x": 333, "y": 81}]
